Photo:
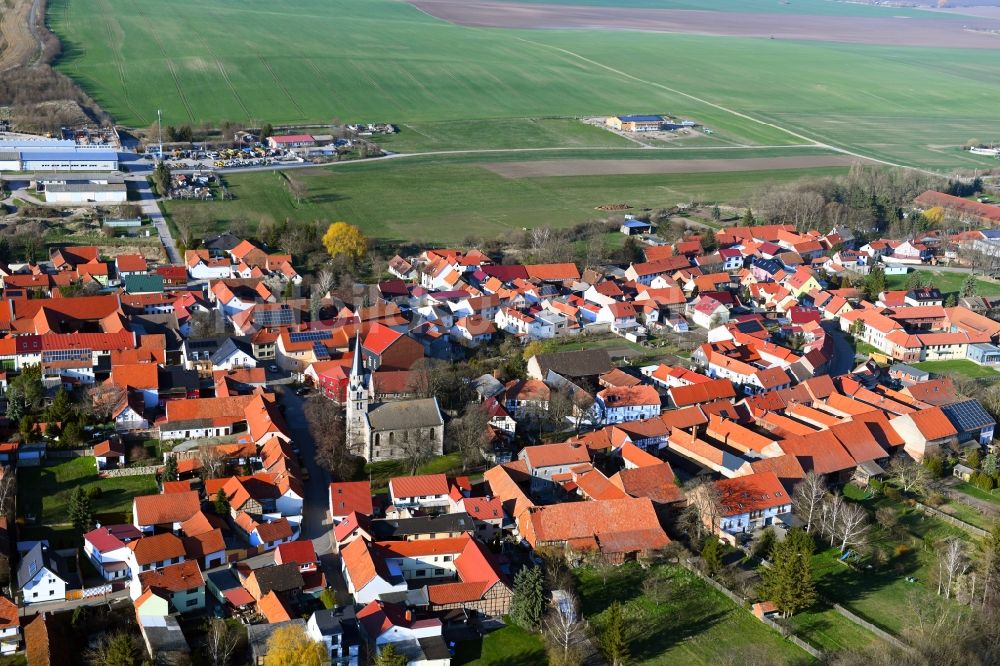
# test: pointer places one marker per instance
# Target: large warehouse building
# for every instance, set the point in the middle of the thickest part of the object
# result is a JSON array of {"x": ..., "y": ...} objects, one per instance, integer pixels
[
  {"x": 44, "y": 154},
  {"x": 76, "y": 188}
]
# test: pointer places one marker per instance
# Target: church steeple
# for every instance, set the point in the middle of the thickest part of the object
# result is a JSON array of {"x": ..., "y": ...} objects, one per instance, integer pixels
[{"x": 357, "y": 402}]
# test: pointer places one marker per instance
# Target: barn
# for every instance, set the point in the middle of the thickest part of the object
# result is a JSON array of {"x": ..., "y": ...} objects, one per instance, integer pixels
[{"x": 635, "y": 123}]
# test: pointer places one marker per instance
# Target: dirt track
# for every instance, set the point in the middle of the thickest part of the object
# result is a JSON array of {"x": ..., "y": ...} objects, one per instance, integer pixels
[
  {"x": 849, "y": 29},
  {"x": 547, "y": 168},
  {"x": 21, "y": 45}
]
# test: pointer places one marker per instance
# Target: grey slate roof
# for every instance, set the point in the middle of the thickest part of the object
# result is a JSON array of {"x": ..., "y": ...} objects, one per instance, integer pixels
[
  {"x": 280, "y": 578},
  {"x": 571, "y": 364},
  {"x": 259, "y": 634},
  {"x": 400, "y": 528},
  {"x": 34, "y": 561},
  {"x": 228, "y": 348},
  {"x": 404, "y": 414}
]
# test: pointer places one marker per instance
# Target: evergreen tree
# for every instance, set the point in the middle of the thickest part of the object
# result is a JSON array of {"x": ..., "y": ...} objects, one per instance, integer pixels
[
  {"x": 969, "y": 286},
  {"x": 221, "y": 503},
  {"x": 62, "y": 406},
  {"x": 874, "y": 284},
  {"x": 613, "y": 638},
  {"x": 711, "y": 555},
  {"x": 170, "y": 469},
  {"x": 716, "y": 213},
  {"x": 748, "y": 219},
  {"x": 708, "y": 242},
  {"x": 528, "y": 604},
  {"x": 80, "y": 513},
  {"x": 950, "y": 301},
  {"x": 388, "y": 656},
  {"x": 789, "y": 581}
]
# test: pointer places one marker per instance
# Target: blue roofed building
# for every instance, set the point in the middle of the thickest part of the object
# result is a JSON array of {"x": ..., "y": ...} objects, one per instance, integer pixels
[
  {"x": 635, "y": 123},
  {"x": 971, "y": 420}
]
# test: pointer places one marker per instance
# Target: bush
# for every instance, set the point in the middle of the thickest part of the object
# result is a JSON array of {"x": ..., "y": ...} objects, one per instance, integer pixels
[
  {"x": 892, "y": 492},
  {"x": 935, "y": 499},
  {"x": 901, "y": 549},
  {"x": 983, "y": 481},
  {"x": 93, "y": 492},
  {"x": 328, "y": 599},
  {"x": 934, "y": 465}
]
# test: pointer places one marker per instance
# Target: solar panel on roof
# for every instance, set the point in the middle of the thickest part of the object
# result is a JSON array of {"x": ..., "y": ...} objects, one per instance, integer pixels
[
  {"x": 309, "y": 336},
  {"x": 968, "y": 415},
  {"x": 322, "y": 353},
  {"x": 282, "y": 317}
]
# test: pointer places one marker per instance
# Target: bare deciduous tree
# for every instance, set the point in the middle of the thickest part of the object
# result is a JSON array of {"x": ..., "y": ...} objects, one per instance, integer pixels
[
  {"x": 212, "y": 462},
  {"x": 952, "y": 563},
  {"x": 8, "y": 487},
  {"x": 704, "y": 508},
  {"x": 564, "y": 630},
  {"x": 909, "y": 474},
  {"x": 808, "y": 497},
  {"x": 470, "y": 434},
  {"x": 101, "y": 400},
  {"x": 852, "y": 526},
  {"x": 220, "y": 642}
]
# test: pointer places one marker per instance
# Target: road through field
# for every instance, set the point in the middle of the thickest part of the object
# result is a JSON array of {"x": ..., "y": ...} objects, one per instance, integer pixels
[
  {"x": 720, "y": 107},
  {"x": 598, "y": 167}
]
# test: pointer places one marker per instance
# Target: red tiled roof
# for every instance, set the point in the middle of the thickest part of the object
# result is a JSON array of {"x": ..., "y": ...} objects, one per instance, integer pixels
[
  {"x": 156, "y": 548},
  {"x": 705, "y": 392},
  {"x": 416, "y": 486},
  {"x": 174, "y": 578},
  {"x": 299, "y": 552},
  {"x": 755, "y": 492},
  {"x": 933, "y": 424},
  {"x": 350, "y": 496},
  {"x": 161, "y": 509},
  {"x": 548, "y": 455},
  {"x": 614, "y": 526},
  {"x": 654, "y": 481}
]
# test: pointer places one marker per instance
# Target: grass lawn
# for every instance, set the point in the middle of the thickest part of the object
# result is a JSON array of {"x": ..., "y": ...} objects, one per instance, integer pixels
[
  {"x": 830, "y": 631},
  {"x": 947, "y": 282},
  {"x": 44, "y": 491},
  {"x": 978, "y": 493},
  {"x": 967, "y": 514},
  {"x": 692, "y": 624},
  {"x": 447, "y": 199},
  {"x": 961, "y": 367},
  {"x": 381, "y": 472},
  {"x": 509, "y": 645},
  {"x": 878, "y": 594}
]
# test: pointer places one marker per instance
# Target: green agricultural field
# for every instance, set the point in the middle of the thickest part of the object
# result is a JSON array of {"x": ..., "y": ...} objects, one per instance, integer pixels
[
  {"x": 447, "y": 199},
  {"x": 317, "y": 60}
]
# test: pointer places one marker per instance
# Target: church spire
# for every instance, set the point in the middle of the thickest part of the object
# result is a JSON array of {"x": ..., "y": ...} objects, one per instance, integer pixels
[{"x": 356, "y": 370}]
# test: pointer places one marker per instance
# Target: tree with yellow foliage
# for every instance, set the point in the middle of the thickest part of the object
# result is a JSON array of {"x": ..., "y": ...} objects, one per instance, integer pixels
[
  {"x": 934, "y": 215},
  {"x": 291, "y": 646},
  {"x": 343, "y": 239}
]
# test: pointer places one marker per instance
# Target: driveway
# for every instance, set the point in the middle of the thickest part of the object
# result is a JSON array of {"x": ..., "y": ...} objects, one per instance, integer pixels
[{"x": 147, "y": 201}]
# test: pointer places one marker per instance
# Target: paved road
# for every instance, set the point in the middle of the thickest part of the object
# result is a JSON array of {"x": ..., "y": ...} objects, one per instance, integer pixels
[
  {"x": 315, "y": 524},
  {"x": 147, "y": 200},
  {"x": 843, "y": 354},
  {"x": 56, "y": 606}
]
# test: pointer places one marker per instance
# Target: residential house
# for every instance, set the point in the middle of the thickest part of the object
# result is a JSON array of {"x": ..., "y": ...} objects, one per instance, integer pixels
[
  {"x": 747, "y": 504},
  {"x": 181, "y": 584},
  {"x": 618, "y": 404},
  {"x": 38, "y": 576}
]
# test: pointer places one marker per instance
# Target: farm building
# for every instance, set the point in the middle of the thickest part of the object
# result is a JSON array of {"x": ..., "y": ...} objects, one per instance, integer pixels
[
  {"x": 76, "y": 189},
  {"x": 635, "y": 227},
  {"x": 290, "y": 141},
  {"x": 42, "y": 154},
  {"x": 635, "y": 123},
  {"x": 964, "y": 209}
]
